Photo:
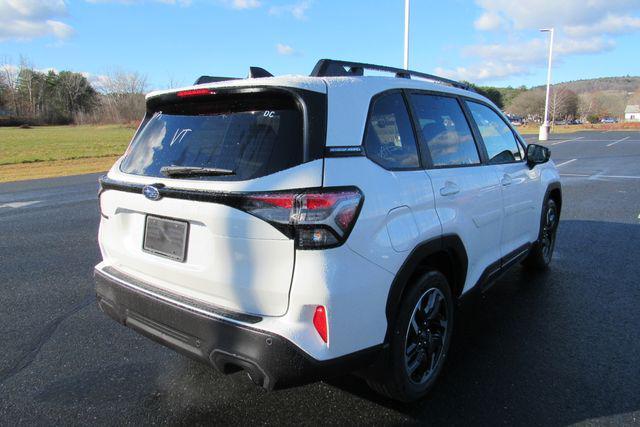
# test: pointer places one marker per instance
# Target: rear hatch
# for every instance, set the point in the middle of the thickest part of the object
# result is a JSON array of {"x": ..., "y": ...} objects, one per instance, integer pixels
[{"x": 189, "y": 206}]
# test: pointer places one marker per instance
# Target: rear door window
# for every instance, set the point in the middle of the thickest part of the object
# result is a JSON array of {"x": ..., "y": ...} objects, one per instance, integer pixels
[
  {"x": 389, "y": 139},
  {"x": 248, "y": 137},
  {"x": 445, "y": 130}
]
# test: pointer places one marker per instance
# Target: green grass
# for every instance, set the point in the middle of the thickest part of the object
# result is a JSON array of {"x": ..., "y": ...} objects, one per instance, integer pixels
[{"x": 50, "y": 143}]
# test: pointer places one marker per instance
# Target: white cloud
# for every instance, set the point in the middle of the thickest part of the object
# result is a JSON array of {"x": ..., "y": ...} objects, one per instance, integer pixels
[
  {"x": 28, "y": 19},
  {"x": 100, "y": 82},
  {"x": 284, "y": 49},
  {"x": 611, "y": 24},
  {"x": 297, "y": 10},
  {"x": 503, "y": 60},
  {"x": 535, "y": 51},
  {"x": 486, "y": 71},
  {"x": 534, "y": 14},
  {"x": 169, "y": 2},
  {"x": 582, "y": 27},
  {"x": 243, "y": 4},
  {"x": 488, "y": 21}
]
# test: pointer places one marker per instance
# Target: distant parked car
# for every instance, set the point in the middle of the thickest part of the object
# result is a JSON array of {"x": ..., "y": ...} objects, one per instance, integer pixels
[
  {"x": 515, "y": 120},
  {"x": 575, "y": 122},
  {"x": 609, "y": 120}
]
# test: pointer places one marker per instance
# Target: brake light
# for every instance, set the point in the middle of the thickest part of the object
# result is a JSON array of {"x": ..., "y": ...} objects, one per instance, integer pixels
[
  {"x": 320, "y": 323},
  {"x": 195, "y": 92},
  {"x": 316, "y": 220}
]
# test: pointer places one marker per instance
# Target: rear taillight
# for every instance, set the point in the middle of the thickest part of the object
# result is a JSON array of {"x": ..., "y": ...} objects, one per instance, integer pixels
[{"x": 316, "y": 219}]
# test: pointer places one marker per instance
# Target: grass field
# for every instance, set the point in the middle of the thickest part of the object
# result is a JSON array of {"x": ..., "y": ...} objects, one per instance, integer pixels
[{"x": 47, "y": 151}]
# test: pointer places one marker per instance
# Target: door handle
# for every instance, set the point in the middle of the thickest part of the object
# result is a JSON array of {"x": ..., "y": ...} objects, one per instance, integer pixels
[
  {"x": 449, "y": 189},
  {"x": 506, "y": 180}
]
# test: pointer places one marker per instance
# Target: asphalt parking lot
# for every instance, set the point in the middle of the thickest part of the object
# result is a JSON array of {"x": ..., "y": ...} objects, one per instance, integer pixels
[{"x": 555, "y": 348}]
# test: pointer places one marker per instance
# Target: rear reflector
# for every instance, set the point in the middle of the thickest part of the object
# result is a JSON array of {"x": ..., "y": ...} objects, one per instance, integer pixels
[
  {"x": 320, "y": 323},
  {"x": 195, "y": 92}
]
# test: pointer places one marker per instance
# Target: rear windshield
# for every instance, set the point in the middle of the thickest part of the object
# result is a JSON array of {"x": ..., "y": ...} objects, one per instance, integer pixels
[{"x": 246, "y": 135}]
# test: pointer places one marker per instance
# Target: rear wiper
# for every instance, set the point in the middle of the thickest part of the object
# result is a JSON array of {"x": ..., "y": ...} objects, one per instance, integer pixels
[{"x": 173, "y": 171}]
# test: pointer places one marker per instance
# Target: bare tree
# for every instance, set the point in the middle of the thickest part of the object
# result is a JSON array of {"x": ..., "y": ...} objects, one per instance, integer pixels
[
  {"x": 10, "y": 75},
  {"x": 563, "y": 104},
  {"x": 123, "y": 96},
  {"x": 602, "y": 103},
  {"x": 529, "y": 104},
  {"x": 173, "y": 82}
]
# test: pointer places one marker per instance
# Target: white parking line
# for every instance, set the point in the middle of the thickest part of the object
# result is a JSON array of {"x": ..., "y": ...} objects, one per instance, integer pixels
[
  {"x": 598, "y": 176},
  {"x": 620, "y": 176},
  {"x": 620, "y": 140},
  {"x": 15, "y": 205},
  {"x": 608, "y": 140},
  {"x": 568, "y": 140},
  {"x": 566, "y": 163}
]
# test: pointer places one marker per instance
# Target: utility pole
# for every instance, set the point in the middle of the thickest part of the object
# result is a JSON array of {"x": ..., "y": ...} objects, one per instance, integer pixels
[
  {"x": 406, "y": 34},
  {"x": 544, "y": 129}
]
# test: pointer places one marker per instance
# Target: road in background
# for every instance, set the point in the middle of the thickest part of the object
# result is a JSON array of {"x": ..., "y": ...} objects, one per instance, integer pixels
[{"x": 554, "y": 348}]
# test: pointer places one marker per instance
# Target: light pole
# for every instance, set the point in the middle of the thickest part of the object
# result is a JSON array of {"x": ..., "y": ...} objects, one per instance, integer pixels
[
  {"x": 406, "y": 34},
  {"x": 544, "y": 129}
]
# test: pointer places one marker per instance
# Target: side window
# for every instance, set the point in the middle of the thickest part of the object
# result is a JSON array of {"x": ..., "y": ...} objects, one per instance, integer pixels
[
  {"x": 498, "y": 138},
  {"x": 445, "y": 130},
  {"x": 389, "y": 139}
]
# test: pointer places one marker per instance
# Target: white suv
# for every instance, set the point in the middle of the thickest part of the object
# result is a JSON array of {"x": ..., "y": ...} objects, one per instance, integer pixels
[{"x": 301, "y": 227}]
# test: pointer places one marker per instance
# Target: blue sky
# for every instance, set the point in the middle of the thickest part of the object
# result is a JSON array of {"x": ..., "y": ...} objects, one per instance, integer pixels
[{"x": 485, "y": 41}]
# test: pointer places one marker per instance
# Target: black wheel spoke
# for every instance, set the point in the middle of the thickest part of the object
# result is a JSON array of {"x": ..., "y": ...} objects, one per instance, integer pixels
[
  {"x": 411, "y": 368},
  {"x": 414, "y": 325},
  {"x": 411, "y": 349},
  {"x": 433, "y": 306}
]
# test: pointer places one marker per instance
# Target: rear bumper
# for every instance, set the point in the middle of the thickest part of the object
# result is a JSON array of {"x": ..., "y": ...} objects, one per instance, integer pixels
[{"x": 221, "y": 339}]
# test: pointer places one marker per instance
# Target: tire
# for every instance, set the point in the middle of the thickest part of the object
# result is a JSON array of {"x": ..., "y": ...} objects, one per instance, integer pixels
[
  {"x": 401, "y": 379},
  {"x": 542, "y": 251}
]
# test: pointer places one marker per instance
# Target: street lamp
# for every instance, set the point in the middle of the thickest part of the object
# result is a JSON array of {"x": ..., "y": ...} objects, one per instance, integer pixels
[
  {"x": 544, "y": 129},
  {"x": 406, "y": 34}
]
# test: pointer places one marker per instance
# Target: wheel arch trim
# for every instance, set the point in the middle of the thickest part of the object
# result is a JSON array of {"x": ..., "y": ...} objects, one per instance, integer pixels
[
  {"x": 450, "y": 245},
  {"x": 554, "y": 186}
]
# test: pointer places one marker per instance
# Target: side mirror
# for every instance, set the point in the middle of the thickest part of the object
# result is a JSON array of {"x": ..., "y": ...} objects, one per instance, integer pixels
[{"x": 537, "y": 154}]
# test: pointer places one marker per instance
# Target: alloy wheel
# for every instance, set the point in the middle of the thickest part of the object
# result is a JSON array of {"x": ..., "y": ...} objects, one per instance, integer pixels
[
  {"x": 549, "y": 232},
  {"x": 426, "y": 335}
]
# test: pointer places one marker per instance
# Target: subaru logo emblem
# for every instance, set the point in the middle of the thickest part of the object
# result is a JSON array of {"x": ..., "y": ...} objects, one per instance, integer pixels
[{"x": 151, "y": 192}]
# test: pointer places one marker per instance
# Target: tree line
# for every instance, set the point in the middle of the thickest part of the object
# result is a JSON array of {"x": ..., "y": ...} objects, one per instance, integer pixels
[
  {"x": 33, "y": 97},
  {"x": 587, "y": 100},
  {"x": 30, "y": 96}
]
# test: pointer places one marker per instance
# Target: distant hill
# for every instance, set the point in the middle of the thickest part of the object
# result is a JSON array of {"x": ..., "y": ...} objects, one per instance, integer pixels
[
  {"x": 621, "y": 84},
  {"x": 595, "y": 98}
]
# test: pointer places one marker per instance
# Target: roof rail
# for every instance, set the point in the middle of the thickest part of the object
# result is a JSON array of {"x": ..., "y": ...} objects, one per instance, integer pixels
[{"x": 337, "y": 68}]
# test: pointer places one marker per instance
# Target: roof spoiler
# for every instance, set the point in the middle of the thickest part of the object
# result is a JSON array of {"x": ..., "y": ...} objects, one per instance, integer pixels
[{"x": 254, "y": 73}]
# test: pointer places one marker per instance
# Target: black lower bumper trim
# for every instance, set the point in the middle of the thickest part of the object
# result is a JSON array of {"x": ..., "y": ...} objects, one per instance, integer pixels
[{"x": 270, "y": 360}]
